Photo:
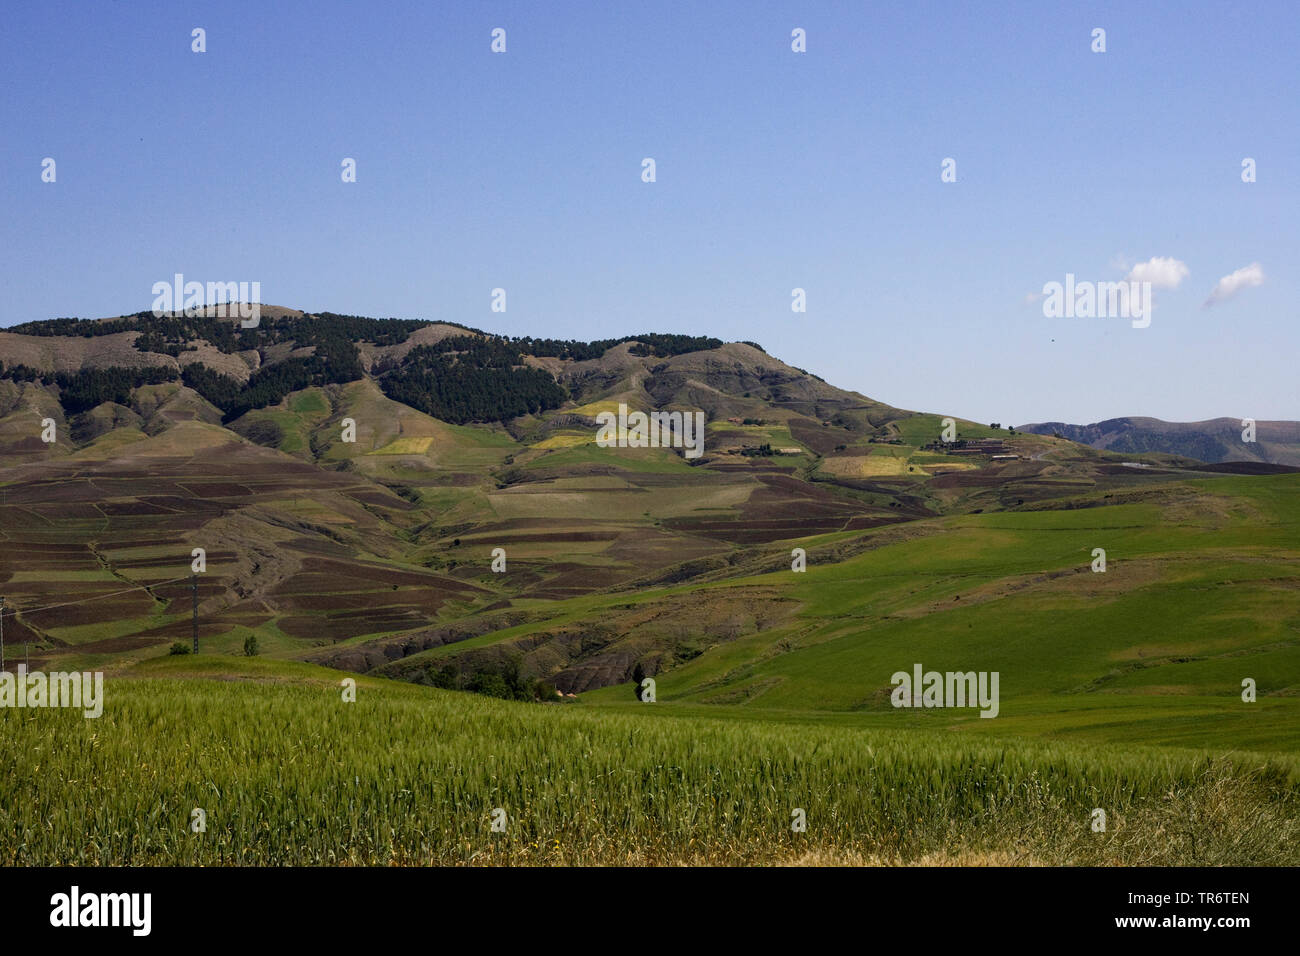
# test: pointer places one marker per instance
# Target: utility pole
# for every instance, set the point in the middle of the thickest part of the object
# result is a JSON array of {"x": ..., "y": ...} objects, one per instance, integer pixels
[
  {"x": 194, "y": 588},
  {"x": 2, "y": 632}
]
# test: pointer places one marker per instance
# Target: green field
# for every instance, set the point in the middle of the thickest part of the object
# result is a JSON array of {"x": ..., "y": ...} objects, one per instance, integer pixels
[
  {"x": 1153, "y": 650},
  {"x": 286, "y": 772}
]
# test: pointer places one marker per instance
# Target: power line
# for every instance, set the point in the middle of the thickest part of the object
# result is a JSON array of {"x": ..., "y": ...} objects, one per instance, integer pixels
[{"x": 141, "y": 587}]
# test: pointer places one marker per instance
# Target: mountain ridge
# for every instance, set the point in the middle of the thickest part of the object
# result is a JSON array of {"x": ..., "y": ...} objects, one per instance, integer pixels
[{"x": 1214, "y": 440}]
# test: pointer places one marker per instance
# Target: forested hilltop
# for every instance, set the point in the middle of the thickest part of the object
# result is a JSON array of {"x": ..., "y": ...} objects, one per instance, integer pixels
[{"x": 472, "y": 376}]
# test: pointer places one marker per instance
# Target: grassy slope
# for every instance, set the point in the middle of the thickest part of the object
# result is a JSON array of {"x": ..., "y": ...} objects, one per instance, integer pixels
[
  {"x": 288, "y": 773},
  {"x": 1201, "y": 591}
]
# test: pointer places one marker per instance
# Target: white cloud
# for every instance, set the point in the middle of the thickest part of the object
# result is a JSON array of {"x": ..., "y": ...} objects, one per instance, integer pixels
[
  {"x": 1230, "y": 285},
  {"x": 1161, "y": 272}
]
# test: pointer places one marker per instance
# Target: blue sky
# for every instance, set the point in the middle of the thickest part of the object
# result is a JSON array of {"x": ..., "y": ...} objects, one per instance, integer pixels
[{"x": 775, "y": 170}]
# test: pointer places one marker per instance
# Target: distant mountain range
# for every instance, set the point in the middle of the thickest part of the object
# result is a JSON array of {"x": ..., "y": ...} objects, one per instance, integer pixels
[{"x": 1214, "y": 441}]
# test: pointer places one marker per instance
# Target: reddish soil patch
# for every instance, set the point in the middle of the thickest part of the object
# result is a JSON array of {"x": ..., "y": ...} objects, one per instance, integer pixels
[
  {"x": 378, "y": 499},
  {"x": 820, "y": 439},
  {"x": 135, "y": 604},
  {"x": 549, "y": 536},
  {"x": 421, "y": 599},
  {"x": 320, "y": 575},
  {"x": 342, "y": 626},
  {"x": 959, "y": 480},
  {"x": 67, "y": 511},
  {"x": 134, "y": 508}
]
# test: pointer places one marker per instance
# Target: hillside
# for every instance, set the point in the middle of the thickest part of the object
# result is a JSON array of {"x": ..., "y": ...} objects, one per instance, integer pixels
[
  {"x": 428, "y": 502},
  {"x": 1217, "y": 440}
]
